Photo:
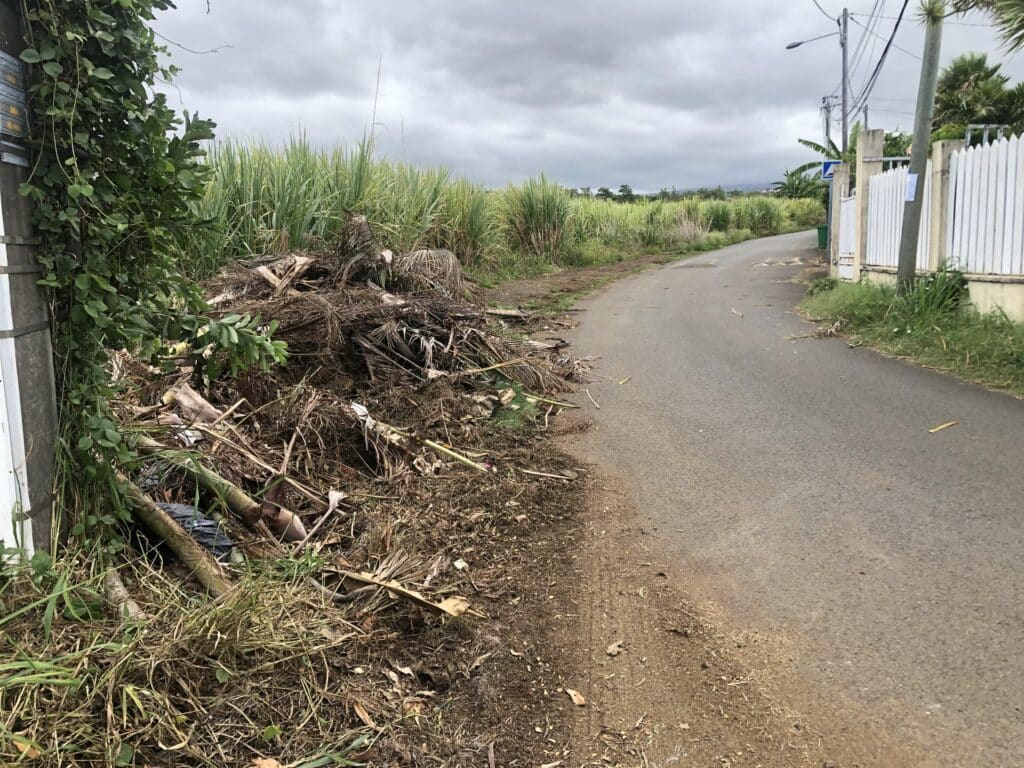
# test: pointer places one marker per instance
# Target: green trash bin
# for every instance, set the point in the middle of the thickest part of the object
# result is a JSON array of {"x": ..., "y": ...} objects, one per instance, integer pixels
[{"x": 823, "y": 237}]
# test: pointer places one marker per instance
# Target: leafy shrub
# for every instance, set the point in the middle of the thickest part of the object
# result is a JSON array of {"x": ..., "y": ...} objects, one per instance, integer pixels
[{"x": 822, "y": 285}]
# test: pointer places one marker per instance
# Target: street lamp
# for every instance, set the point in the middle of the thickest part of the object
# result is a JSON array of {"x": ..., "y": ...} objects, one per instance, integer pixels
[
  {"x": 798, "y": 43},
  {"x": 844, "y": 28}
]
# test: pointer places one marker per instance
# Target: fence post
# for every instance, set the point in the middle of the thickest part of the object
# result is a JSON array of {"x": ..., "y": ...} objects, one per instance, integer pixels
[
  {"x": 840, "y": 189},
  {"x": 870, "y": 147},
  {"x": 938, "y": 227}
]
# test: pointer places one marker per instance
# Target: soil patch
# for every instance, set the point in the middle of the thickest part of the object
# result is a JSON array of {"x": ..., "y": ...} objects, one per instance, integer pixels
[{"x": 559, "y": 290}]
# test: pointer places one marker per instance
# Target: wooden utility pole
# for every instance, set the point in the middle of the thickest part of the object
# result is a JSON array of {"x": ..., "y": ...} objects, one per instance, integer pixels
[{"x": 933, "y": 12}]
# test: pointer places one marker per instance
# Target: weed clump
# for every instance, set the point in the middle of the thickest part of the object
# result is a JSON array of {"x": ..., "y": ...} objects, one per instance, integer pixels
[{"x": 932, "y": 323}]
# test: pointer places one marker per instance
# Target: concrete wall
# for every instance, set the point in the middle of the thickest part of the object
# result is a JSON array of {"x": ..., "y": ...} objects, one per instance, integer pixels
[{"x": 988, "y": 293}]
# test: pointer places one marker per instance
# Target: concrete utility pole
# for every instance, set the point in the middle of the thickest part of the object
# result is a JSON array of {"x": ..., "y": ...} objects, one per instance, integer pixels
[
  {"x": 844, "y": 28},
  {"x": 28, "y": 411},
  {"x": 933, "y": 12},
  {"x": 826, "y": 111}
]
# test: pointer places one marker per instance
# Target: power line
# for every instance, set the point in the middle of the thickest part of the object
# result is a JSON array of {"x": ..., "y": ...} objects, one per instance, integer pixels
[
  {"x": 826, "y": 13},
  {"x": 862, "y": 99},
  {"x": 891, "y": 112},
  {"x": 898, "y": 48},
  {"x": 874, "y": 45},
  {"x": 191, "y": 50},
  {"x": 858, "y": 54},
  {"x": 951, "y": 23}
]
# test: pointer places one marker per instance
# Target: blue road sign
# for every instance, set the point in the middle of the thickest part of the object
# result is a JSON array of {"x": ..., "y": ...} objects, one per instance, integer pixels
[{"x": 828, "y": 169}]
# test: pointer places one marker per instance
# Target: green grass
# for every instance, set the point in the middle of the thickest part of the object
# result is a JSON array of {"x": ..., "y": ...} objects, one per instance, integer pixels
[
  {"x": 519, "y": 414},
  {"x": 929, "y": 325},
  {"x": 265, "y": 199}
]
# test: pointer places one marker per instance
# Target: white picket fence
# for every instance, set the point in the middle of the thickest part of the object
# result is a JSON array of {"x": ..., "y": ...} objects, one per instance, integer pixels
[
  {"x": 887, "y": 194},
  {"x": 984, "y": 212},
  {"x": 986, "y": 209}
]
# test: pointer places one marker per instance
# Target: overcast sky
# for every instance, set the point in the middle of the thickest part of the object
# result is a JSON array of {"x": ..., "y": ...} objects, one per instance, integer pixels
[{"x": 654, "y": 93}]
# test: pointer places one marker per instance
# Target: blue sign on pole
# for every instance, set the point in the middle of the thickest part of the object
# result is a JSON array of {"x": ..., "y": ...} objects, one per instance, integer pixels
[{"x": 828, "y": 169}]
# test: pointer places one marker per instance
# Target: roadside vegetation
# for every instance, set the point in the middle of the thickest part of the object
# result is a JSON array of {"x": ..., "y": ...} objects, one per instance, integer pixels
[
  {"x": 263, "y": 200},
  {"x": 931, "y": 324},
  {"x": 233, "y": 342}
]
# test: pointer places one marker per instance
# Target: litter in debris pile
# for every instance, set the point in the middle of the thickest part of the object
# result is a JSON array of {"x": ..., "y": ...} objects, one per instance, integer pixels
[
  {"x": 208, "y": 532},
  {"x": 356, "y": 482}
]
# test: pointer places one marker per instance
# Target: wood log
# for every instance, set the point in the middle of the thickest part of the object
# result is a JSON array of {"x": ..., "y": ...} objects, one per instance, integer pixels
[
  {"x": 118, "y": 596},
  {"x": 193, "y": 406},
  {"x": 199, "y": 562},
  {"x": 300, "y": 265},
  {"x": 518, "y": 314}
]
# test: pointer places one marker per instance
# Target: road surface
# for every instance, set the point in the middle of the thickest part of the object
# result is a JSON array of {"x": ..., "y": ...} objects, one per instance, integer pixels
[{"x": 798, "y": 477}]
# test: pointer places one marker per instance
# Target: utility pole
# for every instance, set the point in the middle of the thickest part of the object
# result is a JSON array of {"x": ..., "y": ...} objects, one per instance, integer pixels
[
  {"x": 826, "y": 111},
  {"x": 933, "y": 11},
  {"x": 844, "y": 28},
  {"x": 867, "y": 127},
  {"x": 28, "y": 408}
]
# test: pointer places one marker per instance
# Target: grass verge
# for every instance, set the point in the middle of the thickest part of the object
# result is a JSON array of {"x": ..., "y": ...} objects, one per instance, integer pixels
[{"x": 931, "y": 325}]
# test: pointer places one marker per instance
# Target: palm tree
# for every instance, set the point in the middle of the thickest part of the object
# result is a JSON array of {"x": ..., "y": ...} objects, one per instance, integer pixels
[
  {"x": 970, "y": 90},
  {"x": 1008, "y": 16}
]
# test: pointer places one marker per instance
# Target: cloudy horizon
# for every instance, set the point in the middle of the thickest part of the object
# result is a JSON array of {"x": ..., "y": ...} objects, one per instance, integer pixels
[{"x": 600, "y": 93}]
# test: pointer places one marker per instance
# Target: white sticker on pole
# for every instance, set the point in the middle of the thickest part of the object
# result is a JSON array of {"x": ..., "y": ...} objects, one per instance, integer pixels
[{"x": 911, "y": 187}]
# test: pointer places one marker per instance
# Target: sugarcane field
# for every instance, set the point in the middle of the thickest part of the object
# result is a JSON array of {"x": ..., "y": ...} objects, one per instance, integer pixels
[{"x": 511, "y": 386}]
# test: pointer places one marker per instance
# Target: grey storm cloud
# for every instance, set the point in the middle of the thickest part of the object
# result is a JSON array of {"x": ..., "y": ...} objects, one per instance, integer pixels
[{"x": 654, "y": 93}]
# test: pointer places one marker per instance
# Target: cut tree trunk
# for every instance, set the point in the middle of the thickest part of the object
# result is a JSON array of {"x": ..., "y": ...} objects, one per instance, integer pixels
[
  {"x": 119, "y": 597},
  {"x": 193, "y": 406},
  {"x": 238, "y": 501},
  {"x": 194, "y": 557}
]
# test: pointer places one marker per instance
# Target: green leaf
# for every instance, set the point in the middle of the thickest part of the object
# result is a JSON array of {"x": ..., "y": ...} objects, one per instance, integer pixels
[
  {"x": 31, "y": 56},
  {"x": 271, "y": 732},
  {"x": 52, "y": 68},
  {"x": 125, "y": 756},
  {"x": 223, "y": 676},
  {"x": 102, "y": 73}
]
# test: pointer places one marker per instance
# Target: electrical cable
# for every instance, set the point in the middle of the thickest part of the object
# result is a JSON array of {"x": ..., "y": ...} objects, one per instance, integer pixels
[
  {"x": 898, "y": 48},
  {"x": 950, "y": 23},
  {"x": 861, "y": 100},
  {"x": 858, "y": 53},
  {"x": 826, "y": 13}
]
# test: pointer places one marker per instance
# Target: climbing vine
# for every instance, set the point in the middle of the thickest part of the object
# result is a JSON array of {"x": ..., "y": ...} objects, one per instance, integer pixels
[{"x": 117, "y": 173}]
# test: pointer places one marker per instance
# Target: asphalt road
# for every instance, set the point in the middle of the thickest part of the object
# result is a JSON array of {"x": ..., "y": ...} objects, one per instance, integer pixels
[{"x": 799, "y": 477}]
